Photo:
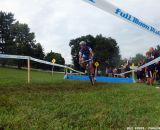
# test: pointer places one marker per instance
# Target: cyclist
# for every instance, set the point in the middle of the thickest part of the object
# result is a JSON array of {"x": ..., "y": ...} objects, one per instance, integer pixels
[{"x": 86, "y": 55}]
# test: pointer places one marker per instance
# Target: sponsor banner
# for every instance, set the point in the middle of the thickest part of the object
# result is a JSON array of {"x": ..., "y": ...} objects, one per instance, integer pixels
[{"x": 108, "y": 7}]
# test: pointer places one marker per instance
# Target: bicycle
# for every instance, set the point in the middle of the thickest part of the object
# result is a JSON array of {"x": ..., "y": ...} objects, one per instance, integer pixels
[{"x": 90, "y": 75}]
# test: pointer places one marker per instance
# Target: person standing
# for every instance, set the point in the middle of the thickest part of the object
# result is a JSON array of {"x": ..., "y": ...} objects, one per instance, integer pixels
[
  {"x": 154, "y": 54},
  {"x": 149, "y": 70}
]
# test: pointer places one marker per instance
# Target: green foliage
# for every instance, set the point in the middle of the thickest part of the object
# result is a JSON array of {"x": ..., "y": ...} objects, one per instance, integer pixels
[
  {"x": 106, "y": 50},
  {"x": 158, "y": 48},
  {"x": 52, "y": 103},
  {"x": 58, "y": 57},
  {"x": 16, "y": 38},
  {"x": 6, "y": 22},
  {"x": 138, "y": 58},
  {"x": 39, "y": 51}
]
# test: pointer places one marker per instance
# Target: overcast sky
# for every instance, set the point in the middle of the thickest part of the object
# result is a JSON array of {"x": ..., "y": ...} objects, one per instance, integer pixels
[{"x": 56, "y": 22}]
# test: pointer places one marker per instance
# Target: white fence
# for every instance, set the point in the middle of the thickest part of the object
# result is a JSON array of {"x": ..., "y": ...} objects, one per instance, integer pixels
[{"x": 29, "y": 59}]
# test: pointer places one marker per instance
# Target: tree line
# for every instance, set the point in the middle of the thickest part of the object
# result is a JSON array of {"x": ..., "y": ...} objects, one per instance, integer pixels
[{"x": 17, "y": 39}]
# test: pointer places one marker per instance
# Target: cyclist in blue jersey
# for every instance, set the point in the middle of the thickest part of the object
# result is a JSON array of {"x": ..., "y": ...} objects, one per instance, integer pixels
[{"x": 86, "y": 55}]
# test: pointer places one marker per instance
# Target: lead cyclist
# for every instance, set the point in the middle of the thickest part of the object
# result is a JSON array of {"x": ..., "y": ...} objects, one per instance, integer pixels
[{"x": 86, "y": 56}]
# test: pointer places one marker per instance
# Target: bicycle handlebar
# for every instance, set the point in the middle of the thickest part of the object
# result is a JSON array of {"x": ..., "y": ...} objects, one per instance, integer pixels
[{"x": 86, "y": 61}]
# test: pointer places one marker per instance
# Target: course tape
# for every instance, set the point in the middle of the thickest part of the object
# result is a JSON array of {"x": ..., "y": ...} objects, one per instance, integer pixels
[
  {"x": 108, "y": 7},
  {"x": 141, "y": 67},
  {"x": 4, "y": 56},
  {"x": 13, "y": 57}
]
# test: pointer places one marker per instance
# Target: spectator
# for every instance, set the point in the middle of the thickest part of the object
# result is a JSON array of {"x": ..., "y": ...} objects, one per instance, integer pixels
[
  {"x": 110, "y": 73},
  {"x": 107, "y": 71},
  {"x": 149, "y": 73},
  {"x": 153, "y": 53},
  {"x": 158, "y": 72},
  {"x": 149, "y": 70},
  {"x": 142, "y": 72},
  {"x": 115, "y": 71},
  {"x": 139, "y": 74},
  {"x": 127, "y": 68}
]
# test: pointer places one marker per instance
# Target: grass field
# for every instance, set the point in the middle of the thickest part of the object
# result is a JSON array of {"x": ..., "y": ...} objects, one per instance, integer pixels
[{"x": 52, "y": 103}]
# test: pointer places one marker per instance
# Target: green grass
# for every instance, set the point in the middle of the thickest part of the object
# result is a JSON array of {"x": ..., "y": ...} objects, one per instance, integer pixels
[{"x": 52, "y": 103}]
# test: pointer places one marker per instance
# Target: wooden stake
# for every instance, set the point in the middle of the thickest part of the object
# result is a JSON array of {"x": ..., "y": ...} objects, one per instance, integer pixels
[
  {"x": 96, "y": 71},
  {"x": 133, "y": 73},
  {"x": 52, "y": 70},
  {"x": 29, "y": 71}
]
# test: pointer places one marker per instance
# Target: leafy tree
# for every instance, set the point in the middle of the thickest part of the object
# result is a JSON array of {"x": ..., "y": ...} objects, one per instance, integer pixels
[
  {"x": 24, "y": 39},
  {"x": 106, "y": 50},
  {"x": 6, "y": 22},
  {"x": 137, "y": 58},
  {"x": 58, "y": 57},
  {"x": 16, "y": 38},
  {"x": 39, "y": 51},
  {"x": 158, "y": 48}
]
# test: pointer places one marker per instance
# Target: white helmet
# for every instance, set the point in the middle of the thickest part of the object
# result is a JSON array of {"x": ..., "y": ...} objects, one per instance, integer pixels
[{"x": 82, "y": 43}]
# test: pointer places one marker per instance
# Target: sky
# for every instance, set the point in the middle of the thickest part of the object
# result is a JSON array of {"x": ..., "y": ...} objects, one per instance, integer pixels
[{"x": 56, "y": 22}]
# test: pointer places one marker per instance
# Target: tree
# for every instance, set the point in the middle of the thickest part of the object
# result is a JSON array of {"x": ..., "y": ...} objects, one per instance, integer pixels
[
  {"x": 25, "y": 43},
  {"x": 16, "y": 38},
  {"x": 106, "y": 50},
  {"x": 6, "y": 22},
  {"x": 139, "y": 57},
  {"x": 24, "y": 39},
  {"x": 38, "y": 51},
  {"x": 158, "y": 48},
  {"x": 58, "y": 57}
]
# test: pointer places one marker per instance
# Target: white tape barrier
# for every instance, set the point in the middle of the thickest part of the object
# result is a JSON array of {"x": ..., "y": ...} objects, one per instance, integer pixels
[
  {"x": 108, "y": 7},
  {"x": 150, "y": 63},
  {"x": 36, "y": 60},
  {"x": 125, "y": 73},
  {"x": 141, "y": 67},
  {"x": 13, "y": 57}
]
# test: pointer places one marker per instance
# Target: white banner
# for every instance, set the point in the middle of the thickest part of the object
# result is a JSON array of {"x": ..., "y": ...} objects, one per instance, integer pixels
[
  {"x": 4, "y": 56},
  {"x": 108, "y": 7}
]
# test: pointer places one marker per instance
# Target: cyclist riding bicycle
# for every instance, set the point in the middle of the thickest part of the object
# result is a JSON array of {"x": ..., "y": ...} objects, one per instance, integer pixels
[{"x": 86, "y": 56}]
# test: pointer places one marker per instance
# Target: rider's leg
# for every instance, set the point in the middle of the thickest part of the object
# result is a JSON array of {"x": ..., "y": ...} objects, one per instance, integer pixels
[
  {"x": 91, "y": 67},
  {"x": 83, "y": 65}
]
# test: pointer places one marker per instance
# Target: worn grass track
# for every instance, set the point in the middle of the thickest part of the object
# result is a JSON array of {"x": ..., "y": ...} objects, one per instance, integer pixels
[{"x": 52, "y": 103}]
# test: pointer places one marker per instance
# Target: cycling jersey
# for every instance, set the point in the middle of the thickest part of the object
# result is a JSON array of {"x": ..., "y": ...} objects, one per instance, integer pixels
[{"x": 85, "y": 53}]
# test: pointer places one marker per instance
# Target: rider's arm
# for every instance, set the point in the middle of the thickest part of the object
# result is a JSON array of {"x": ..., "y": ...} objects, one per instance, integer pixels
[{"x": 91, "y": 53}]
